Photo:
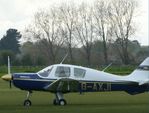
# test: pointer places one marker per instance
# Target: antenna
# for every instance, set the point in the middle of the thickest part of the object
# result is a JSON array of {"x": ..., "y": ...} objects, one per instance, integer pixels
[
  {"x": 64, "y": 58},
  {"x": 107, "y": 67}
]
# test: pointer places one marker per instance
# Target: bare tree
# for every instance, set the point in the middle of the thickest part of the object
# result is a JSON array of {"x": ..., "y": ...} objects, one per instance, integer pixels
[
  {"x": 68, "y": 16},
  {"x": 121, "y": 14},
  {"x": 82, "y": 25},
  {"x": 102, "y": 25},
  {"x": 47, "y": 29},
  {"x": 85, "y": 30}
]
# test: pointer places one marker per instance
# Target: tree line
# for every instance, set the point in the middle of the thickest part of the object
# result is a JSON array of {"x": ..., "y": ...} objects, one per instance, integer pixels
[{"x": 90, "y": 34}]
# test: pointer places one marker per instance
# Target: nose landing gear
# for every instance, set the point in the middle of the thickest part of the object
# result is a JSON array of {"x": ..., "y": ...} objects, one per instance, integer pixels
[{"x": 27, "y": 102}]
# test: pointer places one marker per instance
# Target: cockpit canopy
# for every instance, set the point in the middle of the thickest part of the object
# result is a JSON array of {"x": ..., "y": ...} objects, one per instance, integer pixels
[{"x": 63, "y": 71}]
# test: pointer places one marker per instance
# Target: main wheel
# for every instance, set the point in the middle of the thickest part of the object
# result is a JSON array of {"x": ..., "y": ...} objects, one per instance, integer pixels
[
  {"x": 27, "y": 103},
  {"x": 62, "y": 102},
  {"x": 55, "y": 102}
]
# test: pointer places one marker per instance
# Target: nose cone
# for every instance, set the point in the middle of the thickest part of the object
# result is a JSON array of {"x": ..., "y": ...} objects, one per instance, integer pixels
[{"x": 7, "y": 77}]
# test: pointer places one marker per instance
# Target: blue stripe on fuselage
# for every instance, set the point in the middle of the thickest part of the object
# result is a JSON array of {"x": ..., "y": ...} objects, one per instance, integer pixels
[
  {"x": 30, "y": 81},
  {"x": 26, "y": 75}
]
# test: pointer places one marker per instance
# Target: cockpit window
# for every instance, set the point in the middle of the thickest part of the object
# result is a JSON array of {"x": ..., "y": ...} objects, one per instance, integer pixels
[
  {"x": 62, "y": 71},
  {"x": 80, "y": 73},
  {"x": 45, "y": 72}
]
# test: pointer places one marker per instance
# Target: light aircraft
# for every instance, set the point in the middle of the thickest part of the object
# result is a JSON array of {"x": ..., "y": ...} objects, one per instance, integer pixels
[{"x": 63, "y": 78}]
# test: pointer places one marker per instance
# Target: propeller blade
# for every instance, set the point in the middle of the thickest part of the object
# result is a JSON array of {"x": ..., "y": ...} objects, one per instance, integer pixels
[
  {"x": 10, "y": 84},
  {"x": 8, "y": 77}
]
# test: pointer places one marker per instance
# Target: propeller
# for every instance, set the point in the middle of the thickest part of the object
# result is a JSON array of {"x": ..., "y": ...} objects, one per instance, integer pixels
[
  {"x": 8, "y": 76},
  {"x": 10, "y": 84}
]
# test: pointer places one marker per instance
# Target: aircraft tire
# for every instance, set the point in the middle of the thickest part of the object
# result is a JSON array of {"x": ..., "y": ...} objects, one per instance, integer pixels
[
  {"x": 62, "y": 102},
  {"x": 27, "y": 103}
]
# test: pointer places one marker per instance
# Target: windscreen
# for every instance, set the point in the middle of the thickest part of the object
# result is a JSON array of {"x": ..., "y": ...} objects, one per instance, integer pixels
[{"x": 45, "y": 72}]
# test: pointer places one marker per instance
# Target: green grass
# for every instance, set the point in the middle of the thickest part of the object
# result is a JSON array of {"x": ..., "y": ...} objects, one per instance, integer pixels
[{"x": 11, "y": 101}]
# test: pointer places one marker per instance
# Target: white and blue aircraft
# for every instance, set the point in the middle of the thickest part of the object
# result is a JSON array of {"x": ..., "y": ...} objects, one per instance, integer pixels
[{"x": 63, "y": 78}]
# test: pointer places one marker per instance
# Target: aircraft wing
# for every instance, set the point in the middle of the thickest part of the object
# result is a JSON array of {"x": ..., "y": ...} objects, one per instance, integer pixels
[
  {"x": 63, "y": 85},
  {"x": 144, "y": 82}
]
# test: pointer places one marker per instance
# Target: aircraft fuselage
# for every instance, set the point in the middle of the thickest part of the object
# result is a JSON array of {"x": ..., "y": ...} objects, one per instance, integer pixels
[{"x": 31, "y": 81}]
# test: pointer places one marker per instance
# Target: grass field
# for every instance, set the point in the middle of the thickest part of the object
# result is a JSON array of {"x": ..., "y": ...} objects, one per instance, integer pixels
[{"x": 11, "y": 100}]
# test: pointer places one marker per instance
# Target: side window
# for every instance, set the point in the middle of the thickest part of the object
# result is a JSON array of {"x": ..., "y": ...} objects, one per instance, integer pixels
[
  {"x": 80, "y": 73},
  {"x": 62, "y": 71}
]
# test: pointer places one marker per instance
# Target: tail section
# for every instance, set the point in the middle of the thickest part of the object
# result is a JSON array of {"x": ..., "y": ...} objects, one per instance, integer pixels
[
  {"x": 141, "y": 74},
  {"x": 144, "y": 66}
]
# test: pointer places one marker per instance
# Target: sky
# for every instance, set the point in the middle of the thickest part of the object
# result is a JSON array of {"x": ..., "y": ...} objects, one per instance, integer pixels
[{"x": 19, "y": 13}]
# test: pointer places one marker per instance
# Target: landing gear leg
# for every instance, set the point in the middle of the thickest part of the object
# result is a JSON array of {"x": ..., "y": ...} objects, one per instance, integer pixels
[
  {"x": 27, "y": 102},
  {"x": 59, "y": 100}
]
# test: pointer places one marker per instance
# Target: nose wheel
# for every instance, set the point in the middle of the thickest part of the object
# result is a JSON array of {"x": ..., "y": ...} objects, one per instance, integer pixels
[
  {"x": 59, "y": 100},
  {"x": 27, "y": 102}
]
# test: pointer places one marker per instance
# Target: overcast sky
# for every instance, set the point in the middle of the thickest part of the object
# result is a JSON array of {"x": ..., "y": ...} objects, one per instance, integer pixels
[{"x": 19, "y": 13}]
